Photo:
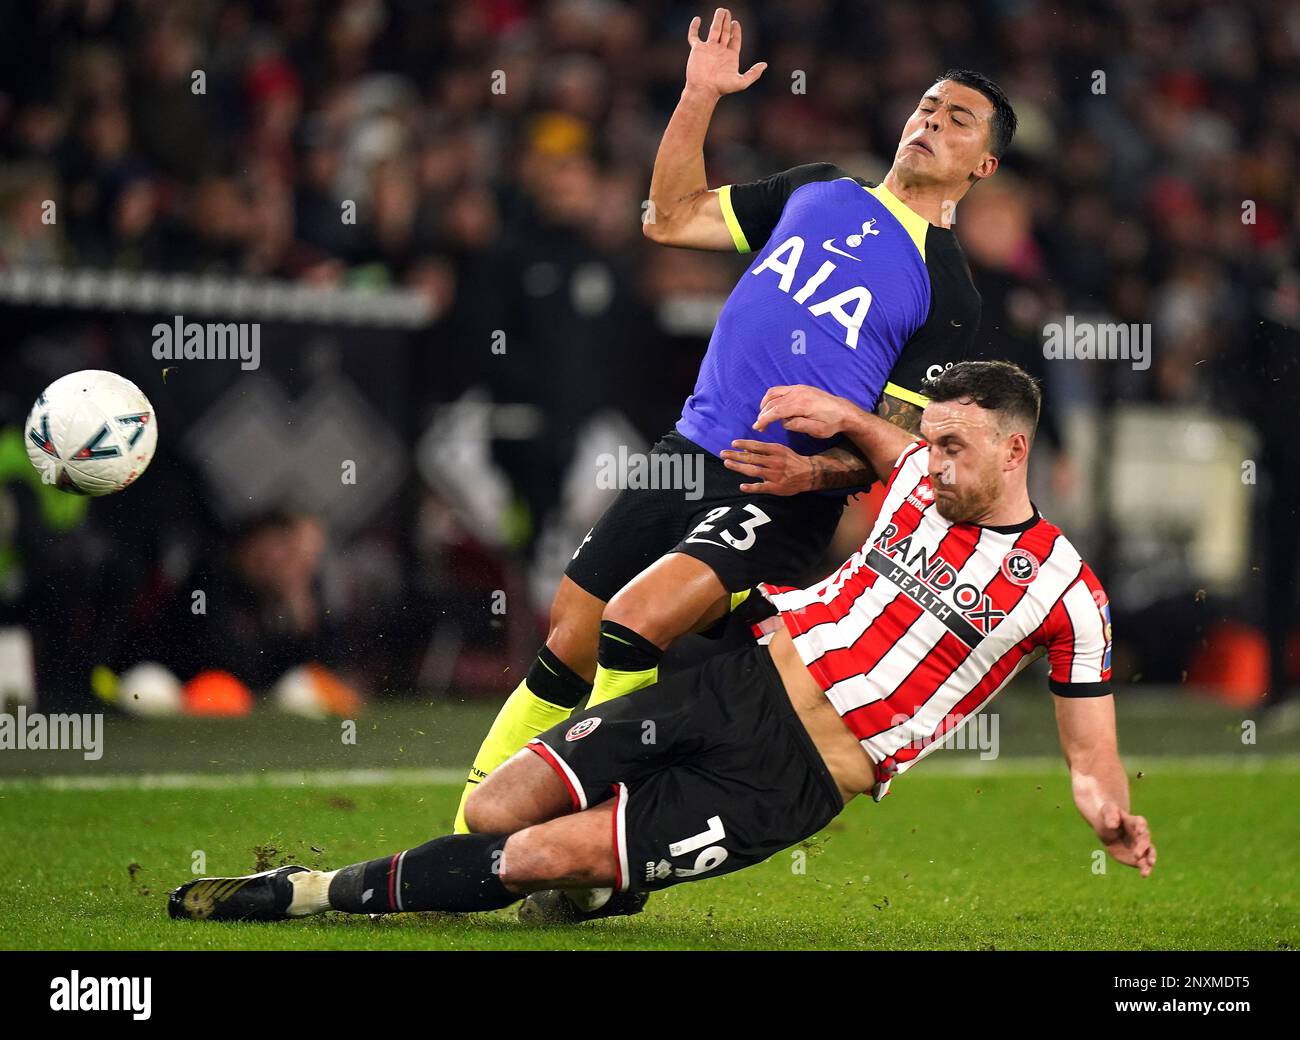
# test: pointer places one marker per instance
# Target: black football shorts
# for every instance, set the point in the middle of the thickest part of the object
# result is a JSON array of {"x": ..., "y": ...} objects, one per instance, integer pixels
[
  {"x": 711, "y": 769},
  {"x": 744, "y": 538}
]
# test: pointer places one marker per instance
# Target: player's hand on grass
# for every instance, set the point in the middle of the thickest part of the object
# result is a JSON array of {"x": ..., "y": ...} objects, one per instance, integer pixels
[
  {"x": 779, "y": 470},
  {"x": 714, "y": 64},
  {"x": 804, "y": 409},
  {"x": 1127, "y": 838}
]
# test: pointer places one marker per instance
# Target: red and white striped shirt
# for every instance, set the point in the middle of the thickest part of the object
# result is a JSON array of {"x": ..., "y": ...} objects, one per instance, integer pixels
[{"x": 922, "y": 626}]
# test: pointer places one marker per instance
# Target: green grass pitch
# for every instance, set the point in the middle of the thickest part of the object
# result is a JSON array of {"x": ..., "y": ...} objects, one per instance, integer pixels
[{"x": 946, "y": 861}]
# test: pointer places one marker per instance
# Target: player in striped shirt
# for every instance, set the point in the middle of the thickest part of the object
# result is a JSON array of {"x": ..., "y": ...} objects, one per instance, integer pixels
[{"x": 959, "y": 586}]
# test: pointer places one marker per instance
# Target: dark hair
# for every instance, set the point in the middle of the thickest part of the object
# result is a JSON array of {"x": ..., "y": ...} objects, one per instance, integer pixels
[
  {"x": 1002, "y": 127},
  {"x": 998, "y": 386}
]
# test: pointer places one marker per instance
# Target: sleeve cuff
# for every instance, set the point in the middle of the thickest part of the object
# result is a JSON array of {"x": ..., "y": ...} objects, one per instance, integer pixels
[
  {"x": 903, "y": 394},
  {"x": 729, "y": 217},
  {"x": 1075, "y": 689}
]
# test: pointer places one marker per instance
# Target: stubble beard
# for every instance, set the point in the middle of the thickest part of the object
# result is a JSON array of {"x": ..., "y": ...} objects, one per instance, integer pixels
[{"x": 965, "y": 508}]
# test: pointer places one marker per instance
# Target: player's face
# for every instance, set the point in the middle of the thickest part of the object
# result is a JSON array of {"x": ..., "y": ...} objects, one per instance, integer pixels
[
  {"x": 946, "y": 139},
  {"x": 965, "y": 456}
]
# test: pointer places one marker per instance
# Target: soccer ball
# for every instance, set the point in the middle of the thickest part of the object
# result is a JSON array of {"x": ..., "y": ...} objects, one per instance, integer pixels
[{"x": 91, "y": 433}]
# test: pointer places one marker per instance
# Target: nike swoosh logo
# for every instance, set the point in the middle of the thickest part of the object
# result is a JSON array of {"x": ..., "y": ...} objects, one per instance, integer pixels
[
  {"x": 827, "y": 245},
  {"x": 708, "y": 541},
  {"x": 367, "y": 894}
]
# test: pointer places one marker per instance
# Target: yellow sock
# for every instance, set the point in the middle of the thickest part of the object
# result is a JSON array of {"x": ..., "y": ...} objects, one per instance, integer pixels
[
  {"x": 625, "y": 662},
  {"x": 523, "y": 716},
  {"x": 611, "y": 683}
]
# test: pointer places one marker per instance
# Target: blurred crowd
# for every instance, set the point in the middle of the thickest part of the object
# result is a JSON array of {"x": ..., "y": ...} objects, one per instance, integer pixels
[{"x": 493, "y": 155}]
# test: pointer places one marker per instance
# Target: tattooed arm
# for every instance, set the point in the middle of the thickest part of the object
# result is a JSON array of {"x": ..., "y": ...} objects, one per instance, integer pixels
[
  {"x": 847, "y": 467},
  {"x": 903, "y": 414},
  {"x": 781, "y": 471}
]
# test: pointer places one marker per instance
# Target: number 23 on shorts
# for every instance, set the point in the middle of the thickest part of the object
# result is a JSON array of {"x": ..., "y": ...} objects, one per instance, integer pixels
[{"x": 757, "y": 518}]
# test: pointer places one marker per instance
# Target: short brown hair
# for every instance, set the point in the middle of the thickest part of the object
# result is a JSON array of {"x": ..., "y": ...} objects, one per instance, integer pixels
[{"x": 998, "y": 386}]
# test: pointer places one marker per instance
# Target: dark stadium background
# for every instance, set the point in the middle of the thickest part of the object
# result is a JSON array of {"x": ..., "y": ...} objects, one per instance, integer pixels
[{"x": 483, "y": 212}]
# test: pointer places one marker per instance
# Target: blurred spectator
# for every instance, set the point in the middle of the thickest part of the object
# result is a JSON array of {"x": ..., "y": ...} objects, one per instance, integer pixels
[
  {"x": 493, "y": 157},
  {"x": 254, "y": 610}
]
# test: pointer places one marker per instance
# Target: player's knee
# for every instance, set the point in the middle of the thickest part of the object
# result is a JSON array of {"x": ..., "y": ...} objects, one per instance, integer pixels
[
  {"x": 573, "y": 632},
  {"x": 488, "y": 812},
  {"x": 666, "y": 601},
  {"x": 534, "y": 858},
  {"x": 479, "y": 812},
  {"x": 528, "y": 859},
  {"x": 519, "y": 793},
  {"x": 577, "y": 649},
  {"x": 633, "y": 609}
]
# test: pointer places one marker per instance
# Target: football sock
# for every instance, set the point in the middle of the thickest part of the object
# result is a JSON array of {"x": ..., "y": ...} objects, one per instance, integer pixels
[
  {"x": 545, "y": 698},
  {"x": 311, "y": 891},
  {"x": 457, "y": 873},
  {"x": 625, "y": 661}
]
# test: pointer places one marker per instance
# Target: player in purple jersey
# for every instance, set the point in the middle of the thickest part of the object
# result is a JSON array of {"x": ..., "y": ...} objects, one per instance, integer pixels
[{"x": 859, "y": 289}]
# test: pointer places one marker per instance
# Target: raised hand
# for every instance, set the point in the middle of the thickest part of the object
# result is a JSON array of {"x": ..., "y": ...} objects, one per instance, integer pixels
[{"x": 714, "y": 63}]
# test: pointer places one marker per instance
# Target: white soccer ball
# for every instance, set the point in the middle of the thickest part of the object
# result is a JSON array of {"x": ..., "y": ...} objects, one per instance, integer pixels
[{"x": 91, "y": 433}]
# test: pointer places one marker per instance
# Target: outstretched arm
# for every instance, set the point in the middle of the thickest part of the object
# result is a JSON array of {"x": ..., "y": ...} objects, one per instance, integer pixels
[
  {"x": 684, "y": 212},
  {"x": 1088, "y": 740},
  {"x": 877, "y": 441}
]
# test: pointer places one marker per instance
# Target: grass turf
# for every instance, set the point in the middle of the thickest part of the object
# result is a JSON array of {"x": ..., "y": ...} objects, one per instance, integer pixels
[{"x": 947, "y": 861}]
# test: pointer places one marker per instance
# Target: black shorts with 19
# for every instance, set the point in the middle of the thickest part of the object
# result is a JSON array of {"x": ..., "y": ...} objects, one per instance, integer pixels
[{"x": 711, "y": 770}]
